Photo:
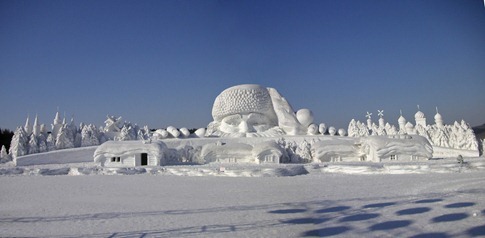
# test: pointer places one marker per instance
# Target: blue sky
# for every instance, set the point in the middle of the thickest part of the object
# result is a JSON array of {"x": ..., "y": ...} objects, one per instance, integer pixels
[{"x": 162, "y": 63}]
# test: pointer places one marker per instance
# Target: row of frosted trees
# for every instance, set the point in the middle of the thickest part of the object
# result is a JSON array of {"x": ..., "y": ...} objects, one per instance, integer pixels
[
  {"x": 65, "y": 136},
  {"x": 458, "y": 135}
]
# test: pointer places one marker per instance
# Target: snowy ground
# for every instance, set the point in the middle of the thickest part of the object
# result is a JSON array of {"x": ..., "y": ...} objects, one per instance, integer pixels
[{"x": 442, "y": 199}]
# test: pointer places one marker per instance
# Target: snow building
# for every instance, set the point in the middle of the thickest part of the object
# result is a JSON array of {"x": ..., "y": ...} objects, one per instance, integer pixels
[
  {"x": 268, "y": 152},
  {"x": 130, "y": 154},
  {"x": 372, "y": 148},
  {"x": 396, "y": 147},
  {"x": 337, "y": 149}
]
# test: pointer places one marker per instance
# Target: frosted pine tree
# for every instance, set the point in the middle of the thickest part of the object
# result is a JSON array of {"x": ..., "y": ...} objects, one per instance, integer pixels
[
  {"x": 63, "y": 141},
  {"x": 353, "y": 130},
  {"x": 127, "y": 133},
  {"x": 50, "y": 143},
  {"x": 85, "y": 136},
  {"x": 89, "y": 136},
  {"x": 18, "y": 145},
  {"x": 4, "y": 157},
  {"x": 42, "y": 145},
  {"x": 304, "y": 151},
  {"x": 33, "y": 145},
  {"x": 77, "y": 139}
]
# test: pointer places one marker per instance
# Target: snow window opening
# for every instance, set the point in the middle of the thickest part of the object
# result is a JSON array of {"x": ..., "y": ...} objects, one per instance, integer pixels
[
  {"x": 115, "y": 159},
  {"x": 393, "y": 157}
]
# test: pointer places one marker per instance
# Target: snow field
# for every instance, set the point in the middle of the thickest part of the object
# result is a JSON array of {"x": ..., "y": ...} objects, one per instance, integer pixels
[{"x": 316, "y": 204}]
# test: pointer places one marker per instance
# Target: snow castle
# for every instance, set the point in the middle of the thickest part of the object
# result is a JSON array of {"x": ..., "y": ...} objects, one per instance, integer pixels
[{"x": 252, "y": 124}]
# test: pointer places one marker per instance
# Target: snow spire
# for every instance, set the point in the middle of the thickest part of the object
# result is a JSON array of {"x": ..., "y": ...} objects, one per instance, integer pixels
[
  {"x": 36, "y": 127},
  {"x": 64, "y": 119},
  {"x": 28, "y": 126},
  {"x": 57, "y": 119}
]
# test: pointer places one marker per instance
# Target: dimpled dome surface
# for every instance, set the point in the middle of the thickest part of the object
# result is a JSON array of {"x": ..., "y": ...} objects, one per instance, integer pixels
[{"x": 241, "y": 99}]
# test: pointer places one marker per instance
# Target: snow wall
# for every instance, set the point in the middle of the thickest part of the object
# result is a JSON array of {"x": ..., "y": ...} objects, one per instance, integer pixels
[
  {"x": 77, "y": 155},
  {"x": 444, "y": 152}
]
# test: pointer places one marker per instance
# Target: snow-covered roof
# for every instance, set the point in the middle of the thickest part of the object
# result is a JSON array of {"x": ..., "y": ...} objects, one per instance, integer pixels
[
  {"x": 226, "y": 149},
  {"x": 265, "y": 147},
  {"x": 403, "y": 144},
  {"x": 124, "y": 148}
]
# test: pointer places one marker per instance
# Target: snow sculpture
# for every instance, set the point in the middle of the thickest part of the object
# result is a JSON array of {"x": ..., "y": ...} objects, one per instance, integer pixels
[
  {"x": 332, "y": 131},
  {"x": 4, "y": 157},
  {"x": 312, "y": 129},
  {"x": 113, "y": 124},
  {"x": 447, "y": 140},
  {"x": 28, "y": 126},
  {"x": 64, "y": 139},
  {"x": 130, "y": 154},
  {"x": 184, "y": 132},
  {"x": 160, "y": 134},
  {"x": 33, "y": 145},
  {"x": 373, "y": 148},
  {"x": 19, "y": 143},
  {"x": 337, "y": 150},
  {"x": 322, "y": 128},
  {"x": 420, "y": 118},
  {"x": 173, "y": 131},
  {"x": 89, "y": 135},
  {"x": 380, "y": 148},
  {"x": 305, "y": 117},
  {"x": 341, "y": 132},
  {"x": 251, "y": 110},
  {"x": 304, "y": 152},
  {"x": 200, "y": 132},
  {"x": 381, "y": 118},
  {"x": 265, "y": 152},
  {"x": 369, "y": 119}
]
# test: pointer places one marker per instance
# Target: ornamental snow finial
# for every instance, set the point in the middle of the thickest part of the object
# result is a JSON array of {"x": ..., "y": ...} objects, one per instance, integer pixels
[
  {"x": 400, "y": 111},
  {"x": 418, "y": 108},
  {"x": 437, "y": 110},
  {"x": 368, "y": 115},
  {"x": 380, "y": 113}
]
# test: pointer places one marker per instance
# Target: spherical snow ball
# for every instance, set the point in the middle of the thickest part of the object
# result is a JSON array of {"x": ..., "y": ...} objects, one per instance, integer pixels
[
  {"x": 342, "y": 132},
  {"x": 305, "y": 117},
  {"x": 332, "y": 130}
]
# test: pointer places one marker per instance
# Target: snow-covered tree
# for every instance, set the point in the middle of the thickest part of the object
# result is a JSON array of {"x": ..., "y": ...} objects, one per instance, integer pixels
[
  {"x": 50, "y": 142},
  {"x": 42, "y": 146},
  {"x": 64, "y": 139},
  {"x": 127, "y": 133},
  {"x": 19, "y": 143},
  {"x": 77, "y": 139},
  {"x": 304, "y": 151},
  {"x": 33, "y": 145},
  {"x": 4, "y": 157},
  {"x": 353, "y": 130},
  {"x": 89, "y": 136}
]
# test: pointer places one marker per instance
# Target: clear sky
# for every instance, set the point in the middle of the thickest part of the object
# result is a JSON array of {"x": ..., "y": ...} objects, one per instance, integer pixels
[{"x": 162, "y": 63}]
